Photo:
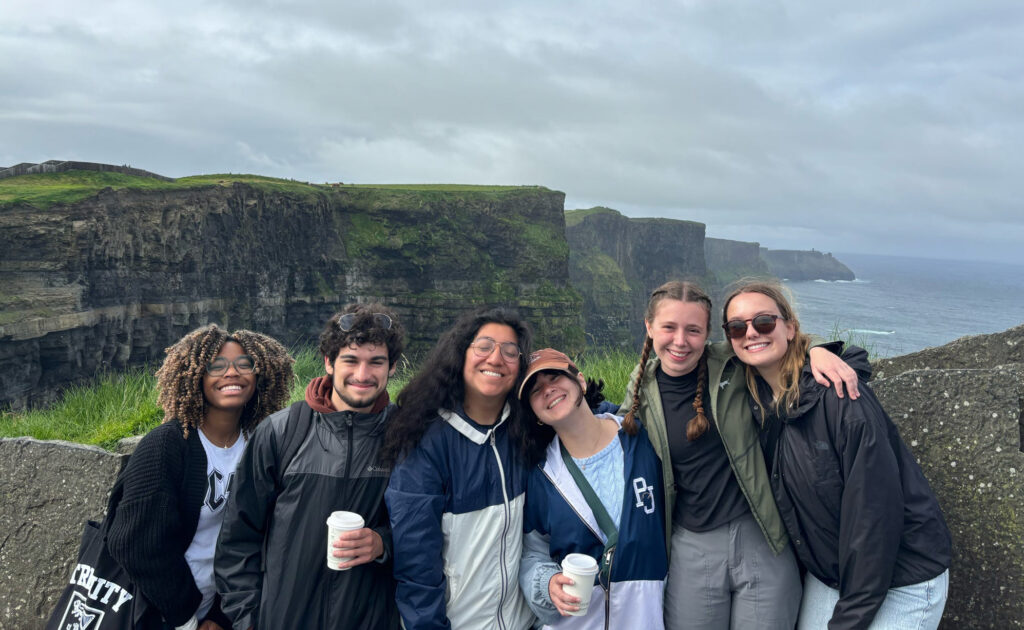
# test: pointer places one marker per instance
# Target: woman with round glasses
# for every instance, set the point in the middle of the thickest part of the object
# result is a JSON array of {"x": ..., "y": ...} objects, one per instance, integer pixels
[
  {"x": 214, "y": 388},
  {"x": 857, "y": 507},
  {"x": 729, "y": 565},
  {"x": 456, "y": 494}
]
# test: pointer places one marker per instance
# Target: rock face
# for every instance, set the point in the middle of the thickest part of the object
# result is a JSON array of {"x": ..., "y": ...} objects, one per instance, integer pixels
[
  {"x": 615, "y": 262},
  {"x": 801, "y": 265},
  {"x": 731, "y": 260},
  {"x": 110, "y": 281},
  {"x": 980, "y": 352},
  {"x": 963, "y": 417},
  {"x": 48, "y": 491}
]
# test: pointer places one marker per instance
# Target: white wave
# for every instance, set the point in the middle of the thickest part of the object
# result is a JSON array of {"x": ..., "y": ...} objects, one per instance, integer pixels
[{"x": 867, "y": 331}]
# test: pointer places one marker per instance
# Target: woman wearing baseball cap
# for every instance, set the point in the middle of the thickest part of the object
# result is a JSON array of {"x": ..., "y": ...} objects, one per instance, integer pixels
[{"x": 594, "y": 489}]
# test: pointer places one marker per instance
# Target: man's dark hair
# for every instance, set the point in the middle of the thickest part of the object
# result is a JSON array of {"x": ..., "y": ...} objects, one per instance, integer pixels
[{"x": 366, "y": 327}]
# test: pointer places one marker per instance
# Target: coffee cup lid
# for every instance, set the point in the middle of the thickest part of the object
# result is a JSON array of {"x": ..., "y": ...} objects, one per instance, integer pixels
[
  {"x": 579, "y": 563},
  {"x": 345, "y": 520}
]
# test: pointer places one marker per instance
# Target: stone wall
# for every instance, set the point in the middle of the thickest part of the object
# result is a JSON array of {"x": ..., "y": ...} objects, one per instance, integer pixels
[
  {"x": 963, "y": 422},
  {"x": 960, "y": 409},
  {"x": 110, "y": 281},
  {"x": 48, "y": 491}
]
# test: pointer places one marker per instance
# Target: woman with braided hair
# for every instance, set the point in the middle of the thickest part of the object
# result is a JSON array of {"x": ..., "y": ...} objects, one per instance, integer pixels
[
  {"x": 730, "y": 566},
  {"x": 167, "y": 505}
]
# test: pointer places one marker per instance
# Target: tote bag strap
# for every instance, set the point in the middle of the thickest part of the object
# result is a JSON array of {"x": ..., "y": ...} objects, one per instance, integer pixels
[{"x": 604, "y": 521}]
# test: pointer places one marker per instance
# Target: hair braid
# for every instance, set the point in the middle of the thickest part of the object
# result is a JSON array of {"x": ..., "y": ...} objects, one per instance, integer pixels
[
  {"x": 699, "y": 423},
  {"x": 629, "y": 422}
]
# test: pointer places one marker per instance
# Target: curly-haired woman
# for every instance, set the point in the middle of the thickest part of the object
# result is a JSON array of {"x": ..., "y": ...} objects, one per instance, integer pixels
[
  {"x": 214, "y": 387},
  {"x": 456, "y": 495}
]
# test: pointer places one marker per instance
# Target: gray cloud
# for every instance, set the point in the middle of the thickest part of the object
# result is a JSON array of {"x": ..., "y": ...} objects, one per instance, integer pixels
[{"x": 876, "y": 127}]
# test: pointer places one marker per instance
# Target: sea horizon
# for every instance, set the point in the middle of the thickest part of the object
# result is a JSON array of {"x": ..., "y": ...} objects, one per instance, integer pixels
[{"x": 903, "y": 304}]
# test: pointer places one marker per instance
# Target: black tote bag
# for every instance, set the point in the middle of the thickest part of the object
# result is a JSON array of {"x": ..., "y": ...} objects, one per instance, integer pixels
[{"x": 99, "y": 594}]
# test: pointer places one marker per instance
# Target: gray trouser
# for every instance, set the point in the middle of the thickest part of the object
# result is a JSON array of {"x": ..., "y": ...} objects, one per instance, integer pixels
[{"x": 728, "y": 579}]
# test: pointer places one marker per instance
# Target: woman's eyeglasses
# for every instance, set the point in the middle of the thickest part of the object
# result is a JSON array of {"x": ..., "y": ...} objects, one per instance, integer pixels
[
  {"x": 763, "y": 324},
  {"x": 484, "y": 346},
  {"x": 243, "y": 365},
  {"x": 348, "y": 320}
]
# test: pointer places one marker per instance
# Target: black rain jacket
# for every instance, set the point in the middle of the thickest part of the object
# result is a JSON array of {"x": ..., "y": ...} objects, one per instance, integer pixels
[
  {"x": 855, "y": 503},
  {"x": 271, "y": 563}
]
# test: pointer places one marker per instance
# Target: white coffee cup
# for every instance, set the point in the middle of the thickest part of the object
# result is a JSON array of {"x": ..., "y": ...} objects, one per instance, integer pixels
[
  {"x": 337, "y": 523},
  {"x": 581, "y": 569}
]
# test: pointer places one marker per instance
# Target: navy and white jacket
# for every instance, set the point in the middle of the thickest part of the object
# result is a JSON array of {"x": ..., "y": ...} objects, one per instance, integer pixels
[
  {"x": 559, "y": 522},
  {"x": 456, "y": 505}
]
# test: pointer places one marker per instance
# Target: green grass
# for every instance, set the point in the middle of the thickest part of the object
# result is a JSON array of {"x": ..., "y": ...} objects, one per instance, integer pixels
[
  {"x": 112, "y": 407},
  {"x": 574, "y": 217},
  {"x": 442, "y": 187},
  {"x": 47, "y": 189},
  {"x": 853, "y": 338},
  {"x": 611, "y": 366},
  {"x": 116, "y": 406}
]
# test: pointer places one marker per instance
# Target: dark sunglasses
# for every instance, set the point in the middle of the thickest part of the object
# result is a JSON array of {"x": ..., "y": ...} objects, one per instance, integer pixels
[
  {"x": 243, "y": 365},
  {"x": 763, "y": 324},
  {"x": 348, "y": 320}
]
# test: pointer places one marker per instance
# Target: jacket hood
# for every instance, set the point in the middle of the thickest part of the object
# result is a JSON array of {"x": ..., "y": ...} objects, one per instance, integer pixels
[
  {"x": 811, "y": 391},
  {"x": 318, "y": 396}
]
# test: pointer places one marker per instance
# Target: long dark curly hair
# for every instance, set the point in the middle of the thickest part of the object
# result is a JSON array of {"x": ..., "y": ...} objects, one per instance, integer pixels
[
  {"x": 180, "y": 379},
  {"x": 439, "y": 383}
]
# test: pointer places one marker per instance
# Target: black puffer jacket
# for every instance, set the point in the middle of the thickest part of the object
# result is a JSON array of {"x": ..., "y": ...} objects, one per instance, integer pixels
[
  {"x": 271, "y": 565},
  {"x": 857, "y": 507}
]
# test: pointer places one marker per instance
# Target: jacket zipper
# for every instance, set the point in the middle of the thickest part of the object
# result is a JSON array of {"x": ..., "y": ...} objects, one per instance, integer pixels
[
  {"x": 608, "y": 591},
  {"x": 504, "y": 534},
  {"x": 348, "y": 461},
  {"x": 611, "y": 552}
]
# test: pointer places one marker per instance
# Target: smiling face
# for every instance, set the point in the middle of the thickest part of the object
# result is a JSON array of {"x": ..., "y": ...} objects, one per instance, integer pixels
[
  {"x": 678, "y": 331},
  {"x": 490, "y": 377},
  {"x": 359, "y": 374},
  {"x": 231, "y": 390},
  {"x": 555, "y": 395},
  {"x": 763, "y": 351}
]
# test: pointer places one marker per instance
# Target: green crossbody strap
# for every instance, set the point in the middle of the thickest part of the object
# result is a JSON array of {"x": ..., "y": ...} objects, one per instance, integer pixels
[{"x": 604, "y": 521}]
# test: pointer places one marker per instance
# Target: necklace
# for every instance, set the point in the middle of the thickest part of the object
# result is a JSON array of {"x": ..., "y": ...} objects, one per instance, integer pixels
[{"x": 231, "y": 441}]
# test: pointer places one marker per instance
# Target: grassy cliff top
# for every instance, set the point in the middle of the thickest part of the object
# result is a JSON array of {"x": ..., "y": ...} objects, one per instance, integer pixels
[
  {"x": 574, "y": 217},
  {"x": 48, "y": 189}
]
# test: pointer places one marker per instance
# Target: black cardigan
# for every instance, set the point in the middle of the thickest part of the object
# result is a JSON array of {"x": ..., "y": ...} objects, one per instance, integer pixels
[{"x": 155, "y": 505}]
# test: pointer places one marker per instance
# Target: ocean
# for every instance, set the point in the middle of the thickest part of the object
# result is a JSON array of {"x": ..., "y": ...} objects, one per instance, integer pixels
[{"x": 899, "y": 305}]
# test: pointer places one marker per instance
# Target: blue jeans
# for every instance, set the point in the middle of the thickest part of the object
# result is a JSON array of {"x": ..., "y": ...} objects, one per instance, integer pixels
[{"x": 913, "y": 607}]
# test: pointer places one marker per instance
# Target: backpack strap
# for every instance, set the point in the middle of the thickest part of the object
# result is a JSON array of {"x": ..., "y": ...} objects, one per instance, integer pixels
[{"x": 300, "y": 419}]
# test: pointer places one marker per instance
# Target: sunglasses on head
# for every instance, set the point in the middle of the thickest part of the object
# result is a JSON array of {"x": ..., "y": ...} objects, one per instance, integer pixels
[
  {"x": 348, "y": 320},
  {"x": 763, "y": 324}
]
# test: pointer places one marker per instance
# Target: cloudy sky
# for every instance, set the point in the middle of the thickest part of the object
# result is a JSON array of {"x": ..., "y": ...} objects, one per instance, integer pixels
[{"x": 876, "y": 127}]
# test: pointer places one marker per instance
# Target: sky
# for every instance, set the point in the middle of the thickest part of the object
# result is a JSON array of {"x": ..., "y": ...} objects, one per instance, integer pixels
[{"x": 875, "y": 127}]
